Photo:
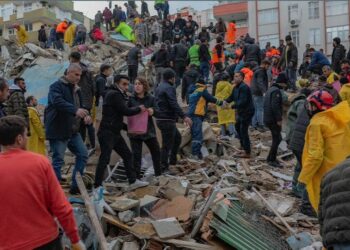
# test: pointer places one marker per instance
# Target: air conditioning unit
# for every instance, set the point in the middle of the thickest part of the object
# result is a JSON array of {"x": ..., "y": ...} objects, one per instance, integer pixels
[{"x": 294, "y": 23}]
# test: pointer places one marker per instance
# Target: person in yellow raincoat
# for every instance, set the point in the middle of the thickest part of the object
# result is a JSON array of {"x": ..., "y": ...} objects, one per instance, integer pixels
[
  {"x": 226, "y": 117},
  {"x": 69, "y": 34},
  {"x": 22, "y": 35},
  {"x": 36, "y": 140},
  {"x": 326, "y": 141},
  {"x": 126, "y": 31}
]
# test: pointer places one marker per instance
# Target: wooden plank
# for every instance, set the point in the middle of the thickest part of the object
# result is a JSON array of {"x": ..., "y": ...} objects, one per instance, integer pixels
[
  {"x": 92, "y": 213},
  {"x": 246, "y": 167}
]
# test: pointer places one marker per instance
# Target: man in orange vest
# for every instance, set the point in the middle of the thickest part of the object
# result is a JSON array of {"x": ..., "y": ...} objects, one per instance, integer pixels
[
  {"x": 231, "y": 33},
  {"x": 61, "y": 28},
  {"x": 218, "y": 55}
]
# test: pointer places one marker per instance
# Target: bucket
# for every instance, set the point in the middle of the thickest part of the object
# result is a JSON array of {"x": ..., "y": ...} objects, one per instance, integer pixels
[{"x": 137, "y": 124}]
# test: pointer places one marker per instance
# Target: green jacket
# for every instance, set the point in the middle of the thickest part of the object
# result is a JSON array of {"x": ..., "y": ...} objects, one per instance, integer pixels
[
  {"x": 193, "y": 54},
  {"x": 293, "y": 113},
  {"x": 16, "y": 104}
]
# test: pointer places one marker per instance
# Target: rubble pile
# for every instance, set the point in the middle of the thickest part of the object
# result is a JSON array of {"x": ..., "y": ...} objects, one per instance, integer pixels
[{"x": 210, "y": 204}]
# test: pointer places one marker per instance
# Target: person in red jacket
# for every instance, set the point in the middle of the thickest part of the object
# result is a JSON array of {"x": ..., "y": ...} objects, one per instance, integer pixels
[
  {"x": 33, "y": 200},
  {"x": 96, "y": 34}
]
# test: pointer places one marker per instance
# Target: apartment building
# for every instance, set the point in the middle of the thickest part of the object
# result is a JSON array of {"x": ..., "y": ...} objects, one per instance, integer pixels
[
  {"x": 308, "y": 22},
  {"x": 33, "y": 14}
]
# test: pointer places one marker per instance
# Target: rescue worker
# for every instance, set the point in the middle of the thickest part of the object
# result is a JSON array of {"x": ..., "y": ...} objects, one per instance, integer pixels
[
  {"x": 60, "y": 30},
  {"x": 326, "y": 141},
  {"x": 193, "y": 53},
  {"x": 22, "y": 35},
  {"x": 36, "y": 140},
  {"x": 69, "y": 35},
  {"x": 218, "y": 55},
  {"x": 231, "y": 33},
  {"x": 126, "y": 31}
]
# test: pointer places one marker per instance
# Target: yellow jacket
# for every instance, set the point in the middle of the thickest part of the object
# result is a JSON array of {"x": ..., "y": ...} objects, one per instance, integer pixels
[
  {"x": 69, "y": 35},
  {"x": 330, "y": 78},
  {"x": 22, "y": 36},
  {"x": 345, "y": 93},
  {"x": 223, "y": 91},
  {"x": 326, "y": 144},
  {"x": 36, "y": 141}
]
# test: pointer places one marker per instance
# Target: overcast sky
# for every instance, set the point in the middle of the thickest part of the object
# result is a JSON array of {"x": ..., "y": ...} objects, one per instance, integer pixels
[{"x": 90, "y": 8}]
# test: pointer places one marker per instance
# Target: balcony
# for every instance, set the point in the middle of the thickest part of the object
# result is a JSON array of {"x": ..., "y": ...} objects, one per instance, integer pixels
[
  {"x": 43, "y": 15},
  {"x": 235, "y": 10}
]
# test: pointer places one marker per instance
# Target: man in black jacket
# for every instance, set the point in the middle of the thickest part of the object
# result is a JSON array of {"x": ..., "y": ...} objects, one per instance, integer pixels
[
  {"x": 243, "y": 103},
  {"x": 189, "y": 79},
  {"x": 204, "y": 59},
  {"x": 334, "y": 211},
  {"x": 179, "y": 21},
  {"x": 251, "y": 52},
  {"x": 338, "y": 54},
  {"x": 134, "y": 57},
  {"x": 289, "y": 61},
  {"x": 167, "y": 113},
  {"x": 42, "y": 37},
  {"x": 115, "y": 107},
  {"x": 87, "y": 90},
  {"x": 160, "y": 60},
  {"x": 101, "y": 80},
  {"x": 144, "y": 9},
  {"x": 178, "y": 60},
  {"x": 273, "y": 112},
  {"x": 259, "y": 87}
]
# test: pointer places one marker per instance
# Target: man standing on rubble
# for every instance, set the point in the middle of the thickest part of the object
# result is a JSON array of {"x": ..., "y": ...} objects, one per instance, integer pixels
[
  {"x": 4, "y": 93},
  {"x": 243, "y": 103},
  {"x": 115, "y": 107},
  {"x": 326, "y": 141},
  {"x": 87, "y": 90},
  {"x": 16, "y": 104},
  {"x": 63, "y": 116},
  {"x": 134, "y": 57},
  {"x": 273, "y": 112},
  {"x": 34, "y": 197},
  {"x": 167, "y": 113},
  {"x": 160, "y": 60}
]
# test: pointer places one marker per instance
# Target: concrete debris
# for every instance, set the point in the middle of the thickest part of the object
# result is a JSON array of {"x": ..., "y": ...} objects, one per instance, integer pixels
[
  {"x": 168, "y": 228},
  {"x": 180, "y": 207},
  {"x": 133, "y": 245},
  {"x": 283, "y": 205},
  {"x": 126, "y": 216},
  {"x": 123, "y": 204}
]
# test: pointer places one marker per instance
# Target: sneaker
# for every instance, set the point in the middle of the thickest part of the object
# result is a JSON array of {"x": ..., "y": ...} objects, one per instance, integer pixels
[
  {"x": 275, "y": 164},
  {"x": 91, "y": 151},
  {"x": 138, "y": 184}
]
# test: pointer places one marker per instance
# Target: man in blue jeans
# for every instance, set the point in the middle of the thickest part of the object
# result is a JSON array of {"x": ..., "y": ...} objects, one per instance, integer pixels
[
  {"x": 63, "y": 116},
  {"x": 259, "y": 86},
  {"x": 204, "y": 59}
]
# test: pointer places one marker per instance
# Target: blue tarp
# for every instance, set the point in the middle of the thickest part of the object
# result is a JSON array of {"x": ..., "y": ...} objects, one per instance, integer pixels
[
  {"x": 39, "y": 78},
  {"x": 119, "y": 37}
]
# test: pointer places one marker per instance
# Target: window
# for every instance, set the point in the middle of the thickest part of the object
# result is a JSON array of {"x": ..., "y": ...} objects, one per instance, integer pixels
[
  {"x": 267, "y": 16},
  {"x": 315, "y": 36},
  {"x": 27, "y": 7},
  {"x": 336, "y": 8},
  {"x": 314, "y": 10},
  {"x": 340, "y": 31},
  {"x": 28, "y": 27},
  {"x": 273, "y": 39},
  {"x": 241, "y": 23},
  {"x": 11, "y": 31},
  {"x": 293, "y": 12},
  {"x": 295, "y": 37}
]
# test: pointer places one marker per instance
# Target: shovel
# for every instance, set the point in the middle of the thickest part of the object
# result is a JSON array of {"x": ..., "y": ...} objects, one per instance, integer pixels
[{"x": 297, "y": 240}]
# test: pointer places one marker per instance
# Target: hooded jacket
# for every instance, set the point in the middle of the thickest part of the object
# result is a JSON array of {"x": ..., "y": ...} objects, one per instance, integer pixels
[
  {"x": 297, "y": 137},
  {"x": 59, "y": 118},
  {"x": 273, "y": 104},
  {"x": 87, "y": 87},
  {"x": 22, "y": 35},
  {"x": 297, "y": 105},
  {"x": 16, "y": 104},
  {"x": 345, "y": 93},
  {"x": 222, "y": 92},
  {"x": 36, "y": 140},
  {"x": 69, "y": 35},
  {"x": 115, "y": 107},
  {"x": 334, "y": 209},
  {"x": 326, "y": 145}
]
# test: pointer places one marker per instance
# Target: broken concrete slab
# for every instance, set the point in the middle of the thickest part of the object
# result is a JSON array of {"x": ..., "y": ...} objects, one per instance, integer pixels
[
  {"x": 123, "y": 204},
  {"x": 168, "y": 228},
  {"x": 283, "y": 205},
  {"x": 132, "y": 245},
  {"x": 180, "y": 207},
  {"x": 147, "y": 200},
  {"x": 126, "y": 216}
]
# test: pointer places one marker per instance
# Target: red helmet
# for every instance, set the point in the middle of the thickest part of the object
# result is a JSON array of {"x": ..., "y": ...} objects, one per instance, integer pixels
[{"x": 322, "y": 99}]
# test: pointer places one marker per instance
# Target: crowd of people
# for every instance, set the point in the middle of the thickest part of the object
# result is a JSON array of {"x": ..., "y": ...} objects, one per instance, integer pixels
[{"x": 249, "y": 87}]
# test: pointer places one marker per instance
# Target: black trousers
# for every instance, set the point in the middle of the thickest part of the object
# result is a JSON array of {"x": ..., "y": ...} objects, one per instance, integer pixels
[
  {"x": 276, "y": 140},
  {"x": 112, "y": 141},
  {"x": 154, "y": 39},
  {"x": 53, "y": 245},
  {"x": 179, "y": 68},
  {"x": 171, "y": 141},
  {"x": 242, "y": 126},
  {"x": 132, "y": 73},
  {"x": 153, "y": 146}
]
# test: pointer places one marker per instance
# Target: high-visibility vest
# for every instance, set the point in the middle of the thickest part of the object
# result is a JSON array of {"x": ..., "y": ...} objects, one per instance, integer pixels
[
  {"x": 61, "y": 27},
  {"x": 215, "y": 57}
]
